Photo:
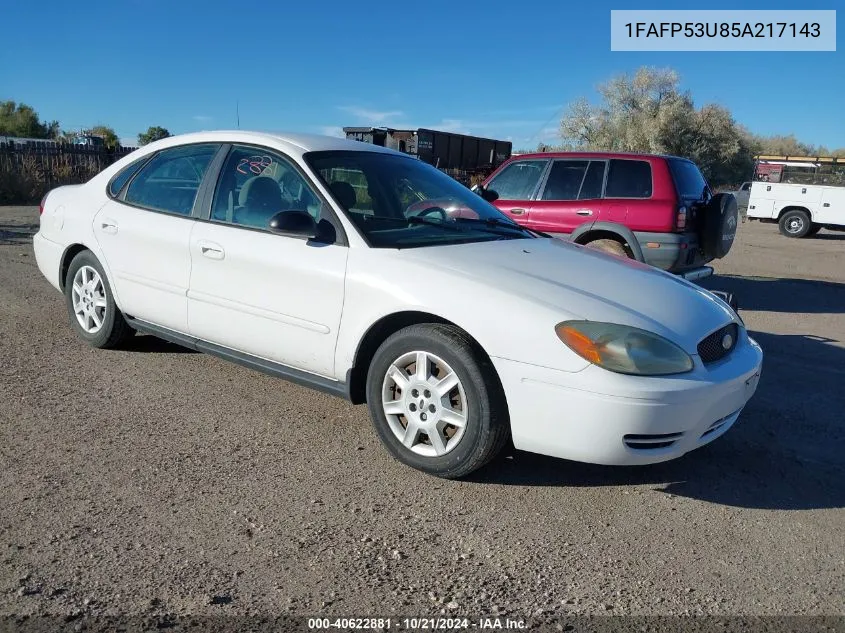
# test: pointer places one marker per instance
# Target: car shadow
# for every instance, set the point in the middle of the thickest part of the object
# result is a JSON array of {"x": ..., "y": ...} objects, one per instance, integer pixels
[
  {"x": 774, "y": 294},
  {"x": 151, "y": 344},
  {"x": 786, "y": 452}
]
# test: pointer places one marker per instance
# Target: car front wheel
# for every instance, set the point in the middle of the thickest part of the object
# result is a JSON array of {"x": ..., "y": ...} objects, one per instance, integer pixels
[
  {"x": 93, "y": 313},
  {"x": 436, "y": 401}
]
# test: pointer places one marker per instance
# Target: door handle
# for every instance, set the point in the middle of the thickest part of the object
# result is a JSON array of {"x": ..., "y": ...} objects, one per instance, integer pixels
[
  {"x": 584, "y": 212},
  {"x": 109, "y": 226},
  {"x": 517, "y": 211},
  {"x": 211, "y": 250}
]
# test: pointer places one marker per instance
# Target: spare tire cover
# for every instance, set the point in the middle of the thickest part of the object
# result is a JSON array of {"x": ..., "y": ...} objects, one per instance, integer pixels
[{"x": 720, "y": 221}]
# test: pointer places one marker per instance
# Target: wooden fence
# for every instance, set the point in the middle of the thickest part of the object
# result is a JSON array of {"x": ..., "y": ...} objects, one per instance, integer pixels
[{"x": 28, "y": 171}]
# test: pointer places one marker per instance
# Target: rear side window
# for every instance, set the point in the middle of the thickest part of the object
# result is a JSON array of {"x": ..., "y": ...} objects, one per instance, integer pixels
[
  {"x": 688, "y": 179},
  {"x": 628, "y": 179},
  {"x": 118, "y": 182},
  {"x": 518, "y": 180},
  {"x": 171, "y": 180}
]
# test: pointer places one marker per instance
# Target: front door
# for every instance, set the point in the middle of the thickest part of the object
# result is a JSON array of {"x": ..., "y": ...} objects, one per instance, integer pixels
[
  {"x": 253, "y": 291},
  {"x": 517, "y": 184},
  {"x": 571, "y": 196},
  {"x": 143, "y": 231}
]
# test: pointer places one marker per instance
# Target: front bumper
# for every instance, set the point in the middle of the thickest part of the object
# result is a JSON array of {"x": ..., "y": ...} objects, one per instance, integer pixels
[{"x": 600, "y": 417}]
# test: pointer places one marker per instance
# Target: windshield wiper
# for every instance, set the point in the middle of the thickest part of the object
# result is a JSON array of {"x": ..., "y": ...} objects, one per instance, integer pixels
[
  {"x": 415, "y": 219},
  {"x": 421, "y": 219},
  {"x": 494, "y": 223}
]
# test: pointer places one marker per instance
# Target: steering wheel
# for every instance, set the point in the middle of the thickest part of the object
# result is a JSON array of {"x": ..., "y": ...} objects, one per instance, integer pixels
[{"x": 439, "y": 211}]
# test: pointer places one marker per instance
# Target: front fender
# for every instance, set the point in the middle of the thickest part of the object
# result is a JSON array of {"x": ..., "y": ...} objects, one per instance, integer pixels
[{"x": 379, "y": 285}]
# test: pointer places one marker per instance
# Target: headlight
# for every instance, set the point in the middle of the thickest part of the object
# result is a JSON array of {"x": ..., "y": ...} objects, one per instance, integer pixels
[{"x": 623, "y": 349}]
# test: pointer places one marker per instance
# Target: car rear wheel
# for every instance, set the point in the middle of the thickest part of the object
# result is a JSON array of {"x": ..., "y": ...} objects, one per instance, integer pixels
[
  {"x": 436, "y": 401},
  {"x": 94, "y": 316},
  {"x": 795, "y": 223},
  {"x": 608, "y": 246}
]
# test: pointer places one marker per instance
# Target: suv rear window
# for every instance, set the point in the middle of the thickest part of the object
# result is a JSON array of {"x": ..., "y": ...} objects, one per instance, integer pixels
[
  {"x": 688, "y": 179},
  {"x": 628, "y": 179}
]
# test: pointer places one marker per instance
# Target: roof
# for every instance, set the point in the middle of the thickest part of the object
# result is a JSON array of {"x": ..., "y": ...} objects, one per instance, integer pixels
[
  {"x": 292, "y": 142},
  {"x": 804, "y": 159},
  {"x": 597, "y": 154}
]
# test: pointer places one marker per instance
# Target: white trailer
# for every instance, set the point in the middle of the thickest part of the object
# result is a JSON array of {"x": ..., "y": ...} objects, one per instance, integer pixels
[{"x": 801, "y": 194}]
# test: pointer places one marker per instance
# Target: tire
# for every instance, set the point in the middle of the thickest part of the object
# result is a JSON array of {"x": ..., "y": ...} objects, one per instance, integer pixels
[
  {"x": 86, "y": 274},
  {"x": 814, "y": 229},
  {"x": 719, "y": 226},
  {"x": 477, "y": 396},
  {"x": 795, "y": 223},
  {"x": 609, "y": 246}
]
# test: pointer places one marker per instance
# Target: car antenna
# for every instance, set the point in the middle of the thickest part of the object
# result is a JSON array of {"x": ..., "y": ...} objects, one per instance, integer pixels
[{"x": 238, "y": 114}]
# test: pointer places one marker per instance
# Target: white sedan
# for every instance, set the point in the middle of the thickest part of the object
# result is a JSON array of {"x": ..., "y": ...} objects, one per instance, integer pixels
[{"x": 313, "y": 259}]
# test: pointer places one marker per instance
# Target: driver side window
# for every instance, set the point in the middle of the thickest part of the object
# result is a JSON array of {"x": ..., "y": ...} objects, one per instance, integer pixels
[{"x": 255, "y": 184}]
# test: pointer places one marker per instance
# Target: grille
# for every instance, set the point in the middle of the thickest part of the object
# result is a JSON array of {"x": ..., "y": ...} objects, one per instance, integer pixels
[
  {"x": 710, "y": 349},
  {"x": 651, "y": 442}
]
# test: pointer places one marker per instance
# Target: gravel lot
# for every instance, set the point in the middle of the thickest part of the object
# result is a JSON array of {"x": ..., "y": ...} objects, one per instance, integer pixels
[{"x": 160, "y": 481}]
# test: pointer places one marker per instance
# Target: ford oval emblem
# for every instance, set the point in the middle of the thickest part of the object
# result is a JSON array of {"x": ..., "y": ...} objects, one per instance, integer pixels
[{"x": 727, "y": 341}]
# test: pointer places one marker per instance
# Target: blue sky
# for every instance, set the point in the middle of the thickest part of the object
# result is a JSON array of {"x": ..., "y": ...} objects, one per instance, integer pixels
[{"x": 494, "y": 68}]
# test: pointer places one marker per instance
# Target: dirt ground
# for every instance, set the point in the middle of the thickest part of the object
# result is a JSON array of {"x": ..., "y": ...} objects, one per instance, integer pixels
[{"x": 156, "y": 482}]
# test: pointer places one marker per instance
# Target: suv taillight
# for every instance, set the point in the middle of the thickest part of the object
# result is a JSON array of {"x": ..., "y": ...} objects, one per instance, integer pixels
[
  {"x": 41, "y": 206},
  {"x": 681, "y": 219}
]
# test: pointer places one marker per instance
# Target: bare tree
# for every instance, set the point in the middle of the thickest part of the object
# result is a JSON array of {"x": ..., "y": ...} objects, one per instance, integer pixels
[{"x": 648, "y": 112}]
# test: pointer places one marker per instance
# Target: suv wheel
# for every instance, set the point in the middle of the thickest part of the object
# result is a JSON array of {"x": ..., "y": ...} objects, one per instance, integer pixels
[
  {"x": 795, "y": 223},
  {"x": 718, "y": 226},
  {"x": 609, "y": 246},
  {"x": 436, "y": 401}
]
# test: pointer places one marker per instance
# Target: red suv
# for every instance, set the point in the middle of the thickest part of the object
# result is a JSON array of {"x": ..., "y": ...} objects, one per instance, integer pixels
[{"x": 656, "y": 209}]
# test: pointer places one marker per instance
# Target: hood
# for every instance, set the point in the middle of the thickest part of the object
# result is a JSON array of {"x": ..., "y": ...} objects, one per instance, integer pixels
[{"x": 581, "y": 283}]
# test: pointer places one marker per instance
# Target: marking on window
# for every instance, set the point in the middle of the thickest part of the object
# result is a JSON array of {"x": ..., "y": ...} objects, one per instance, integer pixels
[{"x": 255, "y": 164}]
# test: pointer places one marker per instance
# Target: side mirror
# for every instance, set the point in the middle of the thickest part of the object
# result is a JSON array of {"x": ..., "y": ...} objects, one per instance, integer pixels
[
  {"x": 294, "y": 223},
  {"x": 488, "y": 194}
]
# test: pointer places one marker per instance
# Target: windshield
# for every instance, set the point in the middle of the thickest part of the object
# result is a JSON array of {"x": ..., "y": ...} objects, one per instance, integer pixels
[{"x": 403, "y": 202}]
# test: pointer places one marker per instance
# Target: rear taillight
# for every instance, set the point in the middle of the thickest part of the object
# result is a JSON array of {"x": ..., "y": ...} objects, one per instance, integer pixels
[
  {"x": 681, "y": 219},
  {"x": 41, "y": 206}
]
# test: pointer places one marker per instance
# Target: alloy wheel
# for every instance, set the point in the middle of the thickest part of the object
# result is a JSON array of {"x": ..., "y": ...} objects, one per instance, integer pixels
[
  {"x": 89, "y": 299},
  {"x": 425, "y": 403}
]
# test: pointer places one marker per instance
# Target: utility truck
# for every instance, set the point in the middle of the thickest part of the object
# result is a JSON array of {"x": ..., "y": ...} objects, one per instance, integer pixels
[{"x": 801, "y": 194}]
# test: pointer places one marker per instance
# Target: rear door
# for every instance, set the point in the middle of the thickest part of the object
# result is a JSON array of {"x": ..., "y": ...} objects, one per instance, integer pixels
[
  {"x": 517, "y": 185},
  {"x": 143, "y": 232},
  {"x": 570, "y": 196}
]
